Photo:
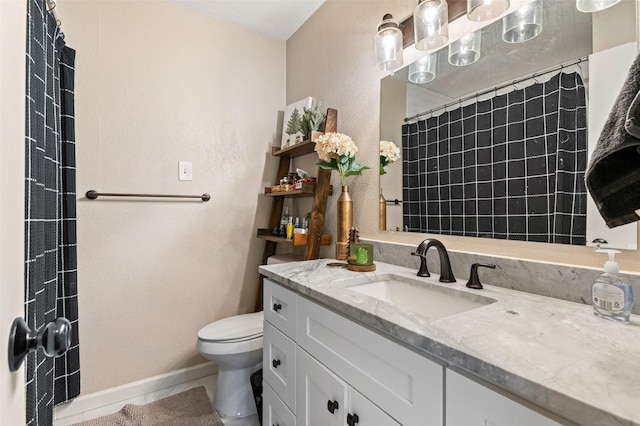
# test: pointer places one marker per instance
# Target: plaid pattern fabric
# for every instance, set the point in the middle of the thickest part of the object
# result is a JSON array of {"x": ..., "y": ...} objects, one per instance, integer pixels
[
  {"x": 50, "y": 214},
  {"x": 510, "y": 167}
]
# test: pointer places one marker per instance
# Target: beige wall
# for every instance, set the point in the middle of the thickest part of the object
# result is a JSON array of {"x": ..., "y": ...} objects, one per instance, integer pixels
[
  {"x": 338, "y": 42},
  {"x": 157, "y": 83}
]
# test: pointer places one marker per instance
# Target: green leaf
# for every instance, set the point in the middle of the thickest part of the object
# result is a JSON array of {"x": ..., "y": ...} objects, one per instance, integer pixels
[
  {"x": 328, "y": 165},
  {"x": 355, "y": 168}
]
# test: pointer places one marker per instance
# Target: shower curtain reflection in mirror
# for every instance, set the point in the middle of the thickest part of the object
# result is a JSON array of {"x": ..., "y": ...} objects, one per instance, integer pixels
[{"x": 510, "y": 167}]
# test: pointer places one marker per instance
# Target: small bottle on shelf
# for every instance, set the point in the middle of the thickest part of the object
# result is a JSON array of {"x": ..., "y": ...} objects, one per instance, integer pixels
[
  {"x": 284, "y": 220},
  {"x": 290, "y": 228}
]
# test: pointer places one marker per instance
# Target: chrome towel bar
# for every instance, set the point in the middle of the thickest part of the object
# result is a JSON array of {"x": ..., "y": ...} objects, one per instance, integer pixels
[{"x": 92, "y": 195}]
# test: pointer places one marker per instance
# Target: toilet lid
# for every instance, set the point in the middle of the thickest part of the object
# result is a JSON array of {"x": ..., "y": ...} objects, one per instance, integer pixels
[{"x": 233, "y": 329}]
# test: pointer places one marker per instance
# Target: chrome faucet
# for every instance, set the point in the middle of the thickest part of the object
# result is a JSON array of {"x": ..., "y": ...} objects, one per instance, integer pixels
[{"x": 446, "y": 274}]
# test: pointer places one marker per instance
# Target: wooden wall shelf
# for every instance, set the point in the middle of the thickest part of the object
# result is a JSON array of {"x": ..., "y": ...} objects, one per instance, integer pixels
[
  {"x": 297, "y": 150},
  {"x": 308, "y": 190},
  {"x": 318, "y": 190},
  {"x": 297, "y": 240}
]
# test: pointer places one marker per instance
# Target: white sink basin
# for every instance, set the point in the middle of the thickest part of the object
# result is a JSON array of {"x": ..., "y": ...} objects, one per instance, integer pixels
[{"x": 419, "y": 296}]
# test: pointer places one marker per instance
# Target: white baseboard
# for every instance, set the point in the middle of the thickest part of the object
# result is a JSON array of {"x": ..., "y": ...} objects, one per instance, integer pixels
[{"x": 131, "y": 390}]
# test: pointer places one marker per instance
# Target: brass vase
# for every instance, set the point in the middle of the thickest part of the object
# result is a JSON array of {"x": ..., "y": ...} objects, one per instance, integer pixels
[
  {"x": 383, "y": 212},
  {"x": 345, "y": 222}
]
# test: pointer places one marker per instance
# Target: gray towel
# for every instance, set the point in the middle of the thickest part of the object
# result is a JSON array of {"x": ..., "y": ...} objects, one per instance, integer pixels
[{"x": 613, "y": 176}]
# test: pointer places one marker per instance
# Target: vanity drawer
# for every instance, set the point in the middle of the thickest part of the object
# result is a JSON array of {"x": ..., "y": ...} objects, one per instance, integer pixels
[
  {"x": 274, "y": 412},
  {"x": 406, "y": 385},
  {"x": 280, "y": 307},
  {"x": 279, "y": 364}
]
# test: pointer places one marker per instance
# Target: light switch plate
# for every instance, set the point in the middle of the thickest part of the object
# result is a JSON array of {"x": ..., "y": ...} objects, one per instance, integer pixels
[{"x": 185, "y": 170}]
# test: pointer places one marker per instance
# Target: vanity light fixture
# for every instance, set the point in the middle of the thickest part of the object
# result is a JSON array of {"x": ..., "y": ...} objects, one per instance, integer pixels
[
  {"x": 465, "y": 51},
  {"x": 423, "y": 70},
  {"x": 523, "y": 24},
  {"x": 483, "y": 10},
  {"x": 589, "y": 6},
  {"x": 431, "y": 24},
  {"x": 388, "y": 44}
]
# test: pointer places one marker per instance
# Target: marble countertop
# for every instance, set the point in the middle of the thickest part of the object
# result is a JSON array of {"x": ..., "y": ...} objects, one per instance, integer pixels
[{"x": 553, "y": 353}]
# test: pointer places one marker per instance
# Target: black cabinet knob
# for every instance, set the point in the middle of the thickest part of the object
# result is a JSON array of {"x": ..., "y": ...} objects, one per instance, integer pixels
[
  {"x": 352, "y": 419},
  {"x": 332, "y": 406},
  {"x": 277, "y": 307},
  {"x": 275, "y": 363}
]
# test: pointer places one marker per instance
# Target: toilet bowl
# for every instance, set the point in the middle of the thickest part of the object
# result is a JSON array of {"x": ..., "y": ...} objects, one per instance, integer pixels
[{"x": 235, "y": 344}]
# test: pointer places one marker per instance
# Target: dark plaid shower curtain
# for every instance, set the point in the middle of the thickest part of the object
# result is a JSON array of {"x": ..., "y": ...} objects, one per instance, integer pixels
[
  {"x": 510, "y": 167},
  {"x": 50, "y": 211}
]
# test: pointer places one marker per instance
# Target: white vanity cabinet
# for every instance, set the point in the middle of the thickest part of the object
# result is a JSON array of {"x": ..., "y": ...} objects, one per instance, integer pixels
[
  {"x": 344, "y": 372},
  {"x": 404, "y": 384},
  {"x": 326, "y": 399},
  {"x": 470, "y": 403}
]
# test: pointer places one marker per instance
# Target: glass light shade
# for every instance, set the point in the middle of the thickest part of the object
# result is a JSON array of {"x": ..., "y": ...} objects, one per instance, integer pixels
[
  {"x": 589, "y": 6},
  {"x": 431, "y": 24},
  {"x": 523, "y": 24},
  {"x": 423, "y": 70},
  {"x": 483, "y": 10},
  {"x": 388, "y": 45},
  {"x": 465, "y": 51}
]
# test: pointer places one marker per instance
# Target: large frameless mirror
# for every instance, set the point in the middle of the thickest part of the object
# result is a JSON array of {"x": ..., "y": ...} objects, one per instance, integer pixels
[{"x": 495, "y": 134}]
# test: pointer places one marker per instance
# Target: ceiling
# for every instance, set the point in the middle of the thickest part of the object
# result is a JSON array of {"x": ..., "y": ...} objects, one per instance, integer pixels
[{"x": 275, "y": 18}]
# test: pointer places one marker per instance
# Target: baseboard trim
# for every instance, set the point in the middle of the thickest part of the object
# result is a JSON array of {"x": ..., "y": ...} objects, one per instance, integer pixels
[{"x": 134, "y": 389}]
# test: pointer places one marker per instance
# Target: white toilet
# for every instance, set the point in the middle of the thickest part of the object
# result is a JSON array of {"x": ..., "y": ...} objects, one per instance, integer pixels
[{"x": 235, "y": 344}]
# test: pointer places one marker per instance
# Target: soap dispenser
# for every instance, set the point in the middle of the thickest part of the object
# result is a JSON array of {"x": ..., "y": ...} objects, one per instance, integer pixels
[{"x": 611, "y": 297}]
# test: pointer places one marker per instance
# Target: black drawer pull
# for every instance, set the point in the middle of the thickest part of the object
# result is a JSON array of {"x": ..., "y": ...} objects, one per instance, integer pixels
[
  {"x": 352, "y": 419},
  {"x": 275, "y": 363},
  {"x": 332, "y": 406},
  {"x": 277, "y": 307}
]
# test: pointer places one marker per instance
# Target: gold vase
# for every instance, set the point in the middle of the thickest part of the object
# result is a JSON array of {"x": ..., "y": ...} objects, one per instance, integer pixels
[
  {"x": 345, "y": 222},
  {"x": 383, "y": 212}
]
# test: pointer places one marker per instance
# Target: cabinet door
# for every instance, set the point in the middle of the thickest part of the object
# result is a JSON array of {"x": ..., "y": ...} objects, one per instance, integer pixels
[
  {"x": 470, "y": 404},
  {"x": 274, "y": 412},
  {"x": 279, "y": 364},
  {"x": 322, "y": 396},
  {"x": 366, "y": 413}
]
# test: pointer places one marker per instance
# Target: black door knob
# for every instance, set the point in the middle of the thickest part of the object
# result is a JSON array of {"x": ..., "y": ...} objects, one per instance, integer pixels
[
  {"x": 275, "y": 363},
  {"x": 277, "y": 307},
  {"x": 332, "y": 406},
  {"x": 54, "y": 339}
]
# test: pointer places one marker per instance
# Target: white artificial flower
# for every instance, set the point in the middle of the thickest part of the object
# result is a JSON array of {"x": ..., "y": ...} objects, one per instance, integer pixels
[
  {"x": 390, "y": 151},
  {"x": 335, "y": 145}
]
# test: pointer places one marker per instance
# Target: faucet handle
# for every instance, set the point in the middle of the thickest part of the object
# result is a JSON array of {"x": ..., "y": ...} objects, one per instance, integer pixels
[
  {"x": 423, "y": 271},
  {"x": 474, "y": 280}
]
